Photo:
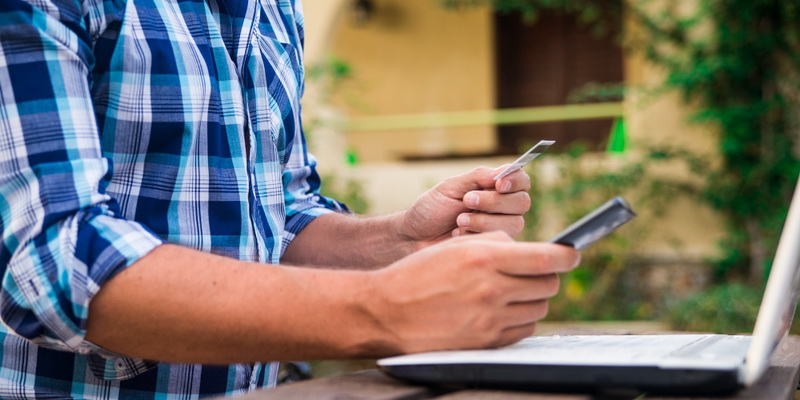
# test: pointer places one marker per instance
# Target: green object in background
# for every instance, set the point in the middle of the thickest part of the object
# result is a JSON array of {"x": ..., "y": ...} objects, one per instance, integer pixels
[
  {"x": 351, "y": 157},
  {"x": 618, "y": 137}
]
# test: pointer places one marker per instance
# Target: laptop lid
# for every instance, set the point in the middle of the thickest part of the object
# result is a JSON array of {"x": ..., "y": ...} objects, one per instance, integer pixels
[{"x": 780, "y": 297}]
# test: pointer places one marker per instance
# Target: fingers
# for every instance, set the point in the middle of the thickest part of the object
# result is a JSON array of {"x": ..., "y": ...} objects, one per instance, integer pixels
[
  {"x": 517, "y": 181},
  {"x": 516, "y": 322},
  {"x": 498, "y": 251},
  {"x": 519, "y": 314},
  {"x": 532, "y": 289},
  {"x": 478, "y": 179},
  {"x": 515, "y": 334},
  {"x": 499, "y": 209},
  {"x": 492, "y": 236},
  {"x": 522, "y": 322},
  {"x": 498, "y": 203},
  {"x": 478, "y": 222},
  {"x": 481, "y": 178},
  {"x": 520, "y": 258}
]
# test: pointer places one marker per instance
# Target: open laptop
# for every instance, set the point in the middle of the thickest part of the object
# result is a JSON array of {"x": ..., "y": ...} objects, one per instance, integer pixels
[{"x": 669, "y": 364}]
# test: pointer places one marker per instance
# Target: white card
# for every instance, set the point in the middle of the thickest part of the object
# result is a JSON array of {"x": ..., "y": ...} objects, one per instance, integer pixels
[{"x": 529, "y": 155}]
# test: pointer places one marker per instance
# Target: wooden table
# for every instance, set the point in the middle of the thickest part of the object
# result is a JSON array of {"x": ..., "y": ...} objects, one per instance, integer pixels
[{"x": 778, "y": 383}]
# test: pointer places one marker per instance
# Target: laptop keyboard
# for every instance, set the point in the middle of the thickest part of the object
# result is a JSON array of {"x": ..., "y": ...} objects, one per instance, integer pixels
[
  {"x": 631, "y": 348},
  {"x": 715, "y": 347}
]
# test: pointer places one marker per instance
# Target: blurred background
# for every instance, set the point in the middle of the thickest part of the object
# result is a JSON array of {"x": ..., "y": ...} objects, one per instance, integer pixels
[{"x": 690, "y": 109}]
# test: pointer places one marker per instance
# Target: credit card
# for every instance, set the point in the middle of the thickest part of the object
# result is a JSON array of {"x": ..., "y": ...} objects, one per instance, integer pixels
[{"x": 529, "y": 155}]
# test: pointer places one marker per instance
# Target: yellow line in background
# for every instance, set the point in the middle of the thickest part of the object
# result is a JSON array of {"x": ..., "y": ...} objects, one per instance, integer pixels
[{"x": 485, "y": 117}]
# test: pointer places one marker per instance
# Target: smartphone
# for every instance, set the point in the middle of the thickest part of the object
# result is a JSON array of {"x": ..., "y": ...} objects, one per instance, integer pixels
[
  {"x": 524, "y": 159},
  {"x": 596, "y": 225}
]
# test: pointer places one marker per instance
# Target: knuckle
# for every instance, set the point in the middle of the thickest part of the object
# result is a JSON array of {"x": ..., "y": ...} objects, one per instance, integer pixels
[
  {"x": 499, "y": 235},
  {"x": 476, "y": 221},
  {"x": 484, "y": 331},
  {"x": 543, "y": 260},
  {"x": 497, "y": 341},
  {"x": 542, "y": 307},
  {"x": 481, "y": 170},
  {"x": 552, "y": 284},
  {"x": 522, "y": 332},
  {"x": 526, "y": 200},
  {"x": 489, "y": 200},
  {"x": 517, "y": 224},
  {"x": 445, "y": 187},
  {"x": 489, "y": 294},
  {"x": 527, "y": 331},
  {"x": 476, "y": 256},
  {"x": 526, "y": 181}
]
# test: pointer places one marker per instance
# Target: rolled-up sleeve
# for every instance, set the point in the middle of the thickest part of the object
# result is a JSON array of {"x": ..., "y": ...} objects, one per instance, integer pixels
[
  {"x": 62, "y": 237},
  {"x": 301, "y": 194}
]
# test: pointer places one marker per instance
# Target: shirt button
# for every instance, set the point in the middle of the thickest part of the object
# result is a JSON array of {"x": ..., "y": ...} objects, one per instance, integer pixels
[{"x": 119, "y": 365}]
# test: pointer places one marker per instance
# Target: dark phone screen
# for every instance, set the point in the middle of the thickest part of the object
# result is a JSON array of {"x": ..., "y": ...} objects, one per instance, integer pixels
[{"x": 596, "y": 225}]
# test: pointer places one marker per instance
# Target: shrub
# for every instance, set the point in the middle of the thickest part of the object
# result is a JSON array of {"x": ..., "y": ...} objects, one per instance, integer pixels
[{"x": 730, "y": 308}]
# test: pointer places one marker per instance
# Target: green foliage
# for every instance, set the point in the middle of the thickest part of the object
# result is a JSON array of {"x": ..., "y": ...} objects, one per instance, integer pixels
[
  {"x": 329, "y": 76},
  {"x": 729, "y": 309},
  {"x": 603, "y": 16},
  {"x": 605, "y": 286},
  {"x": 348, "y": 191},
  {"x": 738, "y": 61},
  {"x": 333, "y": 71}
]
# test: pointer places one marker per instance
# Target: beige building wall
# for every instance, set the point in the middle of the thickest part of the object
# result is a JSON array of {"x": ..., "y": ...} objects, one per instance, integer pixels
[
  {"x": 412, "y": 57},
  {"x": 321, "y": 19},
  {"x": 689, "y": 229}
]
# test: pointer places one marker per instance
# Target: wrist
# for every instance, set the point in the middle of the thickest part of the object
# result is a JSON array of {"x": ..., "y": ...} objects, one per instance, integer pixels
[
  {"x": 373, "y": 337},
  {"x": 409, "y": 239}
]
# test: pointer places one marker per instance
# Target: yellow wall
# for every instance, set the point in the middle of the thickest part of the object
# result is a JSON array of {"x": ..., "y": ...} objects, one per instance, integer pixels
[
  {"x": 413, "y": 57},
  {"x": 691, "y": 228}
]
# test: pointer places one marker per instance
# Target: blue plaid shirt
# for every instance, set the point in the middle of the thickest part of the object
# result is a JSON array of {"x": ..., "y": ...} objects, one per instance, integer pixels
[{"x": 125, "y": 124}]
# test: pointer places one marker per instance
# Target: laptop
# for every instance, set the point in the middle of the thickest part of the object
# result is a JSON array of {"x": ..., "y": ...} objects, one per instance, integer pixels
[{"x": 665, "y": 364}]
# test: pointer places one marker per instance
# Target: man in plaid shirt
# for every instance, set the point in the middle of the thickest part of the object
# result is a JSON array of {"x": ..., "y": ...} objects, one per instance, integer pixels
[{"x": 162, "y": 231}]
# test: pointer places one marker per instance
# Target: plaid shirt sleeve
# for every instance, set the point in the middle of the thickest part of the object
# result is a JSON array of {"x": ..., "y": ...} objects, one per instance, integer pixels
[
  {"x": 303, "y": 201},
  {"x": 62, "y": 236},
  {"x": 300, "y": 177}
]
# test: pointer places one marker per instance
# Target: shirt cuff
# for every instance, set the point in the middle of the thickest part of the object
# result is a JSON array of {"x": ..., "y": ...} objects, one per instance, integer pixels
[
  {"x": 300, "y": 215},
  {"x": 50, "y": 282}
]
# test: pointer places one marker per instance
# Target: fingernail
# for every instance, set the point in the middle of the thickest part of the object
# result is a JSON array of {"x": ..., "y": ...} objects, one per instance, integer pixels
[
  {"x": 456, "y": 232},
  {"x": 471, "y": 200},
  {"x": 463, "y": 220},
  {"x": 506, "y": 186}
]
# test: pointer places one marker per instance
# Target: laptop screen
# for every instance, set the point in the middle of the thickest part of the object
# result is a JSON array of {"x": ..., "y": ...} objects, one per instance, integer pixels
[{"x": 780, "y": 297}]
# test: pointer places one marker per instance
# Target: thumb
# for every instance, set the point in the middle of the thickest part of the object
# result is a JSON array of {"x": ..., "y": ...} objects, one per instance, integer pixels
[
  {"x": 493, "y": 236},
  {"x": 457, "y": 186}
]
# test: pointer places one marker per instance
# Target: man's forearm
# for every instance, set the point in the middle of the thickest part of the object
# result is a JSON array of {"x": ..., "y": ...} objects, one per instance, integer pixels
[
  {"x": 182, "y": 305},
  {"x": 347, "y": 241},
  {"x": 469, "y": 203}
]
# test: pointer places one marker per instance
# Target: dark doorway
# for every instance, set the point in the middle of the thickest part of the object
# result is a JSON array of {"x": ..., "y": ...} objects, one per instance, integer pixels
[{"x": 543, "y": 64}]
